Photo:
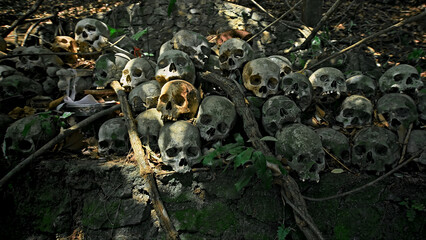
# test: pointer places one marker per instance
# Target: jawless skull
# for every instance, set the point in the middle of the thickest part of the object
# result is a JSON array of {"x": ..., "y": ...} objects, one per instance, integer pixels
[
  {"x": 216, "y": 118},
  {"x": 278, "y": 111},
  {"x": 149, "y": 124},
  {"x": 144, "y": 96},
  {"x": 261, "y": 76},
  {"x": 174, "y": 64},
  {"x": 328, "y": 84},
  {"x": 113, "y": 137},
  {"x": 356, "y": 111},
  {"x": 403, "y": 78},
  {"x": 194, "y": 44},
  {"x": 178, "y": 99},
  {"x": 284, "y": 64},
  {"x": 336, "y": 143},
  {"x": 398, "y": 110},
  {"x": 180, "y": 145},
  {"x": 361, "y": 85},
  {"x": 92, "y": 32},
  {"x": 137, "y": 71},
  {"x": 108, "y": 68},
  {"x": 297, "y": 87},
  {"x": 234, "y": 53}
]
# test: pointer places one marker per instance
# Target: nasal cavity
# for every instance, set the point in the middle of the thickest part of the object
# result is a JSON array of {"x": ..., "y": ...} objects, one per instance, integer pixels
[
  {"x": 183, "y": 162},
  {"x": 334, "y": 84},
  {"x": 231, "y": 62},
  {"x": 263, "y": 89},
  {"x": 169, "y": 106},
  {"x": 210, "y": 132},
  {"x": 172, "y": 67}
]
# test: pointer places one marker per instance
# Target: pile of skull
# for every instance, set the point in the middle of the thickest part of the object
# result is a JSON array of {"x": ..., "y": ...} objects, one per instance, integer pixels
[{"x": 175, "y": 121}]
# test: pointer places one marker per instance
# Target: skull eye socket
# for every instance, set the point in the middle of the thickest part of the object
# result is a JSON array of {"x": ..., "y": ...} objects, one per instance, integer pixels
[
  {"x": 364, "y": 116},
  {"x": 348, "y": 112},
  {"x": 137, "y": 72},
  {"x": 255, "y": 80},
  {"x": 205, "y": 119},
  {"x": 192, "y": 151},
  {"x": 172, "y": 152},
  {"x": 162, "y": 64},
  {"x": 340, "y": 80},
  {"x": 345, "y": 155},
  {"x": 24, "y": 145},
  {"x": 303, "y": 85},
  {"x": 239, "y": 53},
  {"x": 79, "y": 31},
  {"x": 398, "y": 77},
  {"x": 164, "y": 98},
  {"x": 287, "y": 81},
  {"x": 63, "y": 40},
  {"x": 179, "y": 100},
  {"x": 222, "y": 127},
  {"x": 324, "y": 78},
  {"x": 33, "y": 57},
  {"x": 287, "y": 70},
  {"x": 125, "y": 71},
  {"x": 181, "y": 61},
  {"x": 119, "y": 143},
  {"x": 103, "y": 144},
  {"x": 272, "y": 83},
  {"x": 415, "y": 76},
  {"x": 381, "y": 149},
  {"x": 402, "y": 112},
  {"x": 360, "y": 149},
  {"x": 271, "y": 112},
  {"x": 91, "y": 28},
  {"x": 223, "y": 58}
]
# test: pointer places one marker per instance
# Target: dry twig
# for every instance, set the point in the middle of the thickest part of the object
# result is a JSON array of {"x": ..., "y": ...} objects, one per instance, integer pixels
[{"x": 22, "y": 18}]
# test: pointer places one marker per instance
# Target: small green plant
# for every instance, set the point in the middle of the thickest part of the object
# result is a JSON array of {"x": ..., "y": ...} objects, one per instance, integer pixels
[
  {"x": 283, "y": 232},
  {"x": 416, "y": 54},
  {"x": 254, "y": 162},
  {"x": 171, "y": 7},
  {"x": 413, "y": 207}
]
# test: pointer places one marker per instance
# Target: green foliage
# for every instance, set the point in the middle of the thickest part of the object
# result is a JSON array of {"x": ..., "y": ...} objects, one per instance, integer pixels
[
  {"x": 283, "y": 232},
  {"x": 113, "y": 32},
  {"x": 171, "y": 7},
  {"x": 412, "y": 206},
  {"x": 139, "y": 34},
  {"x": 253, "y": 162},
  {"x": 416, "y": 54}
]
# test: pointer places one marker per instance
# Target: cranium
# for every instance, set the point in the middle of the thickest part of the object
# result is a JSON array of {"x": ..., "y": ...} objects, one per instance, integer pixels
[
  {"x": 149, "y": 125},
  {"x": 216, "y": 117},
  {"x": 6, "y": 71},
  {"x": 108, "y": 68},
  {"x": 194, "y": 44},
  {"x": 35, "y": 62},
  {"x": 356, "y": 110},
  {"x": 234, "y": 53},
  {"x": 302, "y": 148},
  {"x": 137, "y": 71},
  {"x": 178, "y": 99},
  {"x": 66, "y": 44},
  {"x": 144, "y": 96},
  {"x": 328, "y": 84},
  {"x": 19, "y": 85},
  {"x": 361, "y": 85},
  {"x": 374, "y": 148},
  {"x": 297, "y": 87},
  {"x": 403, "y": 78},
  {"x": 180, "y": 145},
  {"x": 165, "y": 47},
  {"x": 278, "y": 111},
  {"x": 283, "y": 63},
  {"x": 416, "y": 143},
  {"x": 261, "y": 76},
  {"x": 92, "y": 32},
  {"x": 398, "y": 110},
  {"x": 335, "y": 142},
  {"x": 26, "y": 135},
  {"x": 174, "y": 64},
  {"x": 113, "y": 137}
]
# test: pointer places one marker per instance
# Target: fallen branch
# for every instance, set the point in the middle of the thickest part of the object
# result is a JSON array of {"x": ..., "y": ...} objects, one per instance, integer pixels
[
  {"x": 62, "y": 135},
  {"x": 252, "y": 130},
  {"x": 368, "y": 184},
  {"x": 142, "y": 161},
  {"x": 399, "y": 24},
  {"x": 22, "y": 18}
]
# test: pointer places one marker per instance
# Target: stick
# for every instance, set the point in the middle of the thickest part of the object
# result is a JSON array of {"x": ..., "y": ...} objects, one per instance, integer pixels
[
  {"x": 63, "y": 134},
  {"x": 261, "y": 31},
  {"x": 405, "y": 143},
  {"x": 319, "y": 25},
  {"x": 368, "y": 184},
  {"x": 252, "y": 130},
  {"x": 408, "y": 20},
  {"x": 22, "y": 18},
  {"x": 144, "y": 168}
]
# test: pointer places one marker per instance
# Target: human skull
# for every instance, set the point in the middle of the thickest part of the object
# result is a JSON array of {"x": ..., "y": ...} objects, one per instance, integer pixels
[
  {"x": 144, "y": 96},
  {"x": 417, "y": 142},
  {"x": 261, "y": 76},
  {"x": 6, "y": 71},
  {"x": 178, "y": 99},
  {"x": 336, "y": 143},
  {"x": 278, "y": 111},
  {"x": 302, "y": 148},
  {"x": 174, "y": 64},
  {"x": 234, "y": 53},
  {"x": 328, "y": 84},
  {"x": 283, "y": 63},
  {"x": 15, "y": 85},
  {"x": 36, "y": 62},
  {"x": 165, "y": 47},
  {"x": 356, "y": 110},
  {"x": 297, "y": 87},
  {"x": 180, "y": 145},
  {"x": 216, "y": 117},
  {"x": 66, "y": 44},
  {"x": 137, "y": 71},
  {"x": 113, "y": 137},
  {"x": 421, "y": 106},
  {"x": 361, "y": 85},
  {"x": 194, "y": 44},
  {"x": 149, "y": 124},
  {"x": 403, "y": 78},
  {"x": 374, "y": 148},
  {"x": 26, "y": 135},
  {"x": 108, "y": 68},
  {"x": 398, "y": 110},
  {"x": 92, "y": 32}
]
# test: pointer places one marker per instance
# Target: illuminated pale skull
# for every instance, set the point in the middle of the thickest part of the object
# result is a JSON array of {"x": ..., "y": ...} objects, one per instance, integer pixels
[
  {"x": 180, "y": 145},
  {"x": 149, "y": 124},
  {"x": 178, "y": 99},
  {"x": 92, "y": 32},
  {"x": 66, "y": 44},
  {"x": 108, "y": 68},
  {"x": 234, "y": 53},
  {"x": 144, "y": 96},
  {"x": 194, "y": 44},
  {"x": 284, "y": 64},
  {"x": 137, "y": 71},
  {"x": 174, "y": 64},
  {"x": 328, "y": 84},
  {"x": 403, "y": 78},
  {"x": 261, "y": 76}
]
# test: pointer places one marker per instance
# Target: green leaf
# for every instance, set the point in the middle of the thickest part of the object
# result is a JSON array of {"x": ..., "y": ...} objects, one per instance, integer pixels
[
  {"x": 66, "y": 115},
  {"x": 139, "y": 34},
  {"x": 171, "y": 7},
  {"x": 115, "y": 32},
  {"x": 268, "y": 138},
  {"x": 337, "y": 170},
  {"x": 283, "y": 232},
  {"x": 245, "y": 178},
  {"x": 243, "y": 157},
  {"x": 27, "y": 128},
  {"x": 239, "y": 139},
  {"x": 237, "y": 150},
  {"x": 263, "y": 172}
]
